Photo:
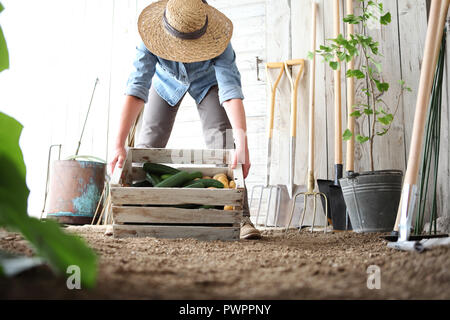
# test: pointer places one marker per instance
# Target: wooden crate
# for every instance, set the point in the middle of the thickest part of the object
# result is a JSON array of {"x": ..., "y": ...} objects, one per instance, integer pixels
[{"x": 134, "y": 210}]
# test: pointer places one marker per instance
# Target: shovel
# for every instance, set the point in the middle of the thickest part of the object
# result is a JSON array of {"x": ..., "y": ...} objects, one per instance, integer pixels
[
  {"x": 286, "y": 192},
  {"x": 267, "y": 186},
  {"x": 292, "y": 189},
  {"x": 438, "y": 13},
  {"x": 332, "y": 189},
  {"x": 284, "y": 200}
]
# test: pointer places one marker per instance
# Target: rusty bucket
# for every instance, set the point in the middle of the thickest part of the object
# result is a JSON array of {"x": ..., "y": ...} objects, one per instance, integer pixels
[{"x": 75, "y": 189}]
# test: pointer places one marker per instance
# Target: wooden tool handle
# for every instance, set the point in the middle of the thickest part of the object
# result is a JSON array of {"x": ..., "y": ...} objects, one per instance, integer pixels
[
  {"x": 312, "y": 92},
  {"x": 273, "y": 65},
  {"x": 438, "y": 14},
  {"x": 294, "y": 91},
  {"x": 350, "y": 159},
  {"x": 337, "y": 94}
]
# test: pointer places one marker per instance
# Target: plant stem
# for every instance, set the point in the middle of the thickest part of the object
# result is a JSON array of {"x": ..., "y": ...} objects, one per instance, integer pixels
[{"x": 372, "y": 95}]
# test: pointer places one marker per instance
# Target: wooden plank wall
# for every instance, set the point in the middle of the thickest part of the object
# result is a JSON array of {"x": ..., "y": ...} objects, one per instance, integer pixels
[{"x": 402, "y": 44}]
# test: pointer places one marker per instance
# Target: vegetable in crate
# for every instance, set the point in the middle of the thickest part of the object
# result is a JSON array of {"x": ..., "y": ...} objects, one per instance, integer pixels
[
  {"x": 159, "y": 169},
  {"x": 195, "y": 184},
  {"x": 177, "y": 180},
  {"x": 165, "y": 176},
  {"x": 211, "y": 183},
  {"x": 142, "y": 184},
  {"x": 152, "y": 178},
  {"x": 196, "y": 175},
  {"x": 222, "y": 177}
]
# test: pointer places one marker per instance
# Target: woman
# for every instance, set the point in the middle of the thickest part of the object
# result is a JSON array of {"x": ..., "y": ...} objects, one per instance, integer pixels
[{"x": 186, "y": 48}]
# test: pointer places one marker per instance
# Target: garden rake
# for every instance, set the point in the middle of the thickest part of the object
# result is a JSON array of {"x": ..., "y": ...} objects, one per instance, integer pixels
[
  {"x": 267, "y": 186},
  {"x": 311, "y": 180}
]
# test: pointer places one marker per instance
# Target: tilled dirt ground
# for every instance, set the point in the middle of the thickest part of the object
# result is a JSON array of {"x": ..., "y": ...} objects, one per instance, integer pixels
[{"x": 299, "y": 266}]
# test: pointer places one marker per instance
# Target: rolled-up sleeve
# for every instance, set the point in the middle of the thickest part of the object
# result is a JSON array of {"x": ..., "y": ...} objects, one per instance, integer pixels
[
  {"x": 228, "y": 76},
  {"x": 140, "y": 79}
]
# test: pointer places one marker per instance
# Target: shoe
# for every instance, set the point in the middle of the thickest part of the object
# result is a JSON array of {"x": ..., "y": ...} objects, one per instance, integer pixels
[{"x": 248, "y": 230}]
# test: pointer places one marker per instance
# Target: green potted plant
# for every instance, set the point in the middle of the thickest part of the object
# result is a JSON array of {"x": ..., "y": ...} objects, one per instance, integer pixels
[{"x": 371, "y": 197}]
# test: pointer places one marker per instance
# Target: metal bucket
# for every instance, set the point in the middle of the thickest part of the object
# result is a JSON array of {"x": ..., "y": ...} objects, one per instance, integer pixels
[
  {"x": 75, "y": 189},
  {"x": 372, "y": 199}
]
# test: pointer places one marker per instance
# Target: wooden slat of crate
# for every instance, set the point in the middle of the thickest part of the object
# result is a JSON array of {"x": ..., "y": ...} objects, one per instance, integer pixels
[
  {"x": 130, "y": 195},
  {"x": 174, "y": 215},
  {"x": 175, "y": 232},
  {"x": 180, "y": 156}
]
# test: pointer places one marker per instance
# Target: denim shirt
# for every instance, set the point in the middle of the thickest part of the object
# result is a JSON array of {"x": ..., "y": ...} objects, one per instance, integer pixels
[{"x": 174, "y": 79}]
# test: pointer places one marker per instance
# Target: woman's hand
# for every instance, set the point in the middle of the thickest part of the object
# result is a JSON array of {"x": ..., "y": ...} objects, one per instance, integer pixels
[
  {"x": 236, "y": 113},
  {"x": 119, "y": 158},
  {"x": 242, "y": 156}
]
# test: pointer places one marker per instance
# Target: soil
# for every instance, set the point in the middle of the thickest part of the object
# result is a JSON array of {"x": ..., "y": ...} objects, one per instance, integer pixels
[{"x": 299, "y": 266}]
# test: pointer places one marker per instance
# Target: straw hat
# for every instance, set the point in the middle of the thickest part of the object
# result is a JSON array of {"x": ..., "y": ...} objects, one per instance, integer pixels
[{"x": 184, "y": 30}]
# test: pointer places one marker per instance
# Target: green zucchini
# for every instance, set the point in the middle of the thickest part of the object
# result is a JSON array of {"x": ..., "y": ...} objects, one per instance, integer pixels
[
  {"x": 187, "y": 206},
  {"x": 207, "y": 207},
  {"x": 177, "y": 180},
  {"x": 211, "y": 183},
  {"x": 141, "y": 184},
  {"x": 195, "y": 175},
  {"x": 165, "y": 176},
  {"x": 159, "y": 169},
  {"x": 195, "y": 184},
  {"x": 152, "y": 178}
]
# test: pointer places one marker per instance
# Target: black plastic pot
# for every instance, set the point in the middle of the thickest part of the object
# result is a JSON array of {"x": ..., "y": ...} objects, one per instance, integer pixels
[{"x": 372, "y": 199}]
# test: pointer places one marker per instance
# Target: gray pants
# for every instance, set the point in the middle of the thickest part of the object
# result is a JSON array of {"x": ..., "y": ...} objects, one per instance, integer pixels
[{"x": 159, "y": 117}]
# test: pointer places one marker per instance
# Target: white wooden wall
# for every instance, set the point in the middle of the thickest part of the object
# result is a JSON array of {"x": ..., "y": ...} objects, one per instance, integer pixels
[{"x": 59, "y": 47}]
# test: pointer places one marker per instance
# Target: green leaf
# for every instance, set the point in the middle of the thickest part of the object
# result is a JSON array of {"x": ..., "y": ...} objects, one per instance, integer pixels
[
  {"x": 311, "y": 55},
  {"x": 50, "y": 242},
  {"x": 340, "y": 40},
  {"x": 358, "y": 74},
  {"x": 382, "y": 86},
  {"x": 13, "y": 189},
  {"x": 361, "y": 139},
  {"x": 352, "y": 19},
  {"x": 356, "y": 114},
  {"x": 386, "y": 19},
  {"x": 4, "y": 56},
  {"x": 341, "y": 56},
  {"x": 347, "y": 135},
  {"x": 368, "y": 111},
  {"x": 334, "y": 65},
  {"x": 326, "y": 49},
  {"x": 386, "y": 120}
]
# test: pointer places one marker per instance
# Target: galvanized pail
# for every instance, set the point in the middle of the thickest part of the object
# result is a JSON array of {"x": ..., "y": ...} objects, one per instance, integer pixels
[{"x": 372, "y": 199}]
